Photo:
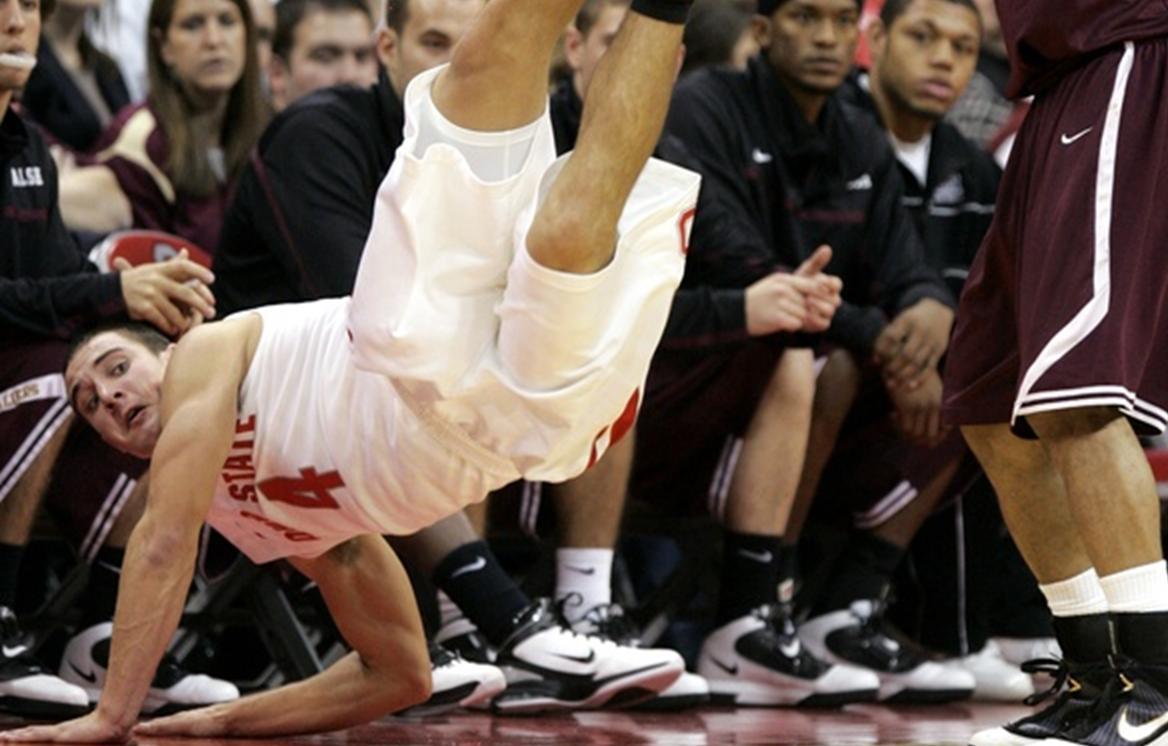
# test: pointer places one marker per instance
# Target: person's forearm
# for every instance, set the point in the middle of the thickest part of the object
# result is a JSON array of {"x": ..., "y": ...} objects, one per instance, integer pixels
[
  {"x": 345, "y": 694},
  {"x": 156, "y": 577}
]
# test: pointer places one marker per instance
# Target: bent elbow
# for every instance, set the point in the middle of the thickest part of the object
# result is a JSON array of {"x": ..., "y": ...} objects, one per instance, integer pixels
[{"x": 418, "y": 683}]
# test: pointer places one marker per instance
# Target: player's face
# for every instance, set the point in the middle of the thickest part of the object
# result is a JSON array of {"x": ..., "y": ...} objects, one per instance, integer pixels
[
  {"x": 811, "y": 43},
  {"x": 20, "y": 28},
  {"x": 115, "y": 384},
  {"x": 584, "y": 51},
  {"x": 928, "y": 56},
  {"x": 328, "y": 48},
  {"x": 205, "y": 46},
  {"x": 427, "y": 39}
]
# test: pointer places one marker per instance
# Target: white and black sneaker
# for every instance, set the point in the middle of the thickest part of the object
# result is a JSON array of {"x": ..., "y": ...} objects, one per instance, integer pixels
[
  {"x": 1131, "y": 711},
  {"x": 609, "y": 621},
  {"x": 860, "y": 636},
  {"x": 26, "y": 689},
  {"x": 1076, "y": 690},
  {"x": 550, "y": 667},
  {"x": 173, "y": 689},
  {"x": 457, "y": 683},
  {"x": 757, "y": 659}
]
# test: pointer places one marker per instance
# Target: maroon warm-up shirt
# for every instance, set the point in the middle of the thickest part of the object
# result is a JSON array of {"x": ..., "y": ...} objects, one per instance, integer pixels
[{"x": 1047, "y": 37}]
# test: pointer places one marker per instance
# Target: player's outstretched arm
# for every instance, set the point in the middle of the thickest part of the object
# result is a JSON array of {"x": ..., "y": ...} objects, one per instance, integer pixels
[
  {"x": 369, "y": 595},
  {"x": 198, "y": 423}
]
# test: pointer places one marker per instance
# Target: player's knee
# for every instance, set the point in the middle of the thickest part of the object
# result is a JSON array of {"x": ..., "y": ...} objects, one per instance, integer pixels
[
  {"x": 569, "y": 241},
  {"x": 1061, "y": 424}
]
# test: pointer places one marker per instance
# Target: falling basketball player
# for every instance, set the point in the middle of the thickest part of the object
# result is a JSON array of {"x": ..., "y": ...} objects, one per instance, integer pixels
[
  {"x": 501, "y": 325},
  {"x": 1061, "y": 334}
]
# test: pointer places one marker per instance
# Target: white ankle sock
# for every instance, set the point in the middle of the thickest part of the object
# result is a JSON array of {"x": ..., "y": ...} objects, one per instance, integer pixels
[
  {"x": 1138, "y": 589},
  {"x": 1077, "y": 596},
  {"x": 587, "y": 572}
]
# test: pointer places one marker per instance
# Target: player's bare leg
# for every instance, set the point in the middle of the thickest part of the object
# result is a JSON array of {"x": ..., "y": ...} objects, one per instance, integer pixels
[
  {"x": 575, "y": 228},
  {"x": 836, "y": 390},
  {"x": 497, "y": 78},
  {"x": 1033, "y": 499},
  {"x": 762, "y": 491},
  {"x": 1109, "y": 485},
  {"x": 589, "y": 510}
]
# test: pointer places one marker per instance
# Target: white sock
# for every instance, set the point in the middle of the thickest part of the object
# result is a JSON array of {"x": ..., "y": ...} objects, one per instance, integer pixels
[
  {"x": 1138, "y": 589},
  {"x": 587, "y": 572},
  {"x": 1077, "y": 596}
]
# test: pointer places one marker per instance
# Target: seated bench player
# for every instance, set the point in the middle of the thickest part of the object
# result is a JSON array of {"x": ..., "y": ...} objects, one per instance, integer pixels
[{"x": 501, "y": 326}]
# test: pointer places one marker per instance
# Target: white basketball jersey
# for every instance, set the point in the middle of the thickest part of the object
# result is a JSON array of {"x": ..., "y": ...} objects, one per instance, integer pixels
[{"x": 324, "y": 452}]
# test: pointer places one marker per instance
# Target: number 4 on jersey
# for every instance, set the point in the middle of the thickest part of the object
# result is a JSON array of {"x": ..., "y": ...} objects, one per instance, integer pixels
[{"x": 309, "y": 490}]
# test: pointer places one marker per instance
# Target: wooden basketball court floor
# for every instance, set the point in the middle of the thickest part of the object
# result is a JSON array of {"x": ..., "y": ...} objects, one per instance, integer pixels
[{"x": 947, "y": 725}]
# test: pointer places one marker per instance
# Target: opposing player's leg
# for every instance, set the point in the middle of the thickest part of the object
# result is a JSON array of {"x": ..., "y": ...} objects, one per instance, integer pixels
[{"x": 1037, "y": 511}]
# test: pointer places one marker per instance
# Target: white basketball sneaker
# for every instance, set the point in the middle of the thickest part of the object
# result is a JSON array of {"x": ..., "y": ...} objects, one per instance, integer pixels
[
  {"x": 859, "y": 636},
  {"x": 26, "y": 689},
  {"x": 758, "y": 659},
  {"x": 550, "y": 667},
  {"x": 172, "y": 690}
]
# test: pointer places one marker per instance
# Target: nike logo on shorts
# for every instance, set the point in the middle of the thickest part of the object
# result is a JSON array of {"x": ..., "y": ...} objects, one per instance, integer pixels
[{"x": 1069, "y": 139}]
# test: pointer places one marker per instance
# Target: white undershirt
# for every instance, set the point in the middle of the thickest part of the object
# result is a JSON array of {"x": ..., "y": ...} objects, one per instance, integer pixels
[{"x": 914, "y": 155}]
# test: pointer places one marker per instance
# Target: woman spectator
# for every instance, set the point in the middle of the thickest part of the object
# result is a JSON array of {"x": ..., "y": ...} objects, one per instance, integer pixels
[
  {"x": 75, "y": 89},
  {"x": 169, "y": 164}
]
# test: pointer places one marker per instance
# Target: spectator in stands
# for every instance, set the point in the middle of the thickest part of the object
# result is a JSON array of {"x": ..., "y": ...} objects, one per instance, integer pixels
[
  {"x": 263, "y": 14},
  {"x": 720, "y": 32},
  {"x": 983, "y": 113},
  {"x": 170, "y": 163},
  {"x": 797, "y": 169},
  {"x": 887, "y": 474},
  {"x": 47, "y": 291},
  {"x": 320, "y": 43},
  {"x": 75, "y": 89}
]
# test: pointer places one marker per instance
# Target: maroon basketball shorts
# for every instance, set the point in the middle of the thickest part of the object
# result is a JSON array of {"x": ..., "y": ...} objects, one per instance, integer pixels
[
  {"x": 90, "y": 482},
  {"x": 1066, "y": 305},
  {"x": 689, "y": 434}
]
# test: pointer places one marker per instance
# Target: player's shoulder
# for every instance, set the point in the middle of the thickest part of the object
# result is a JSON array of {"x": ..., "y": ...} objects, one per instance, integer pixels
[{"x": 222, "y": 346}]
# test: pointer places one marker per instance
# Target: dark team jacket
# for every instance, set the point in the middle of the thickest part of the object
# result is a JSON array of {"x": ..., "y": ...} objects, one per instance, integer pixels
[
  {"x": 782, "y": 188},
  {"x": 1048, "y": 38},
  {"x": 304, "y": 205},
  {"x": 47, "y": 286},
  {"x": 954, "y": 208}
]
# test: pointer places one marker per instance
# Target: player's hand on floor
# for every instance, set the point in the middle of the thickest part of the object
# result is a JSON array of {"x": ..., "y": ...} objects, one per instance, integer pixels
[
  {"x": 918, "y": 410},
  {"x": 205, "y": 722},
  {"x": 913, "y": 343},
  {"x": 91, "y": 728}
]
